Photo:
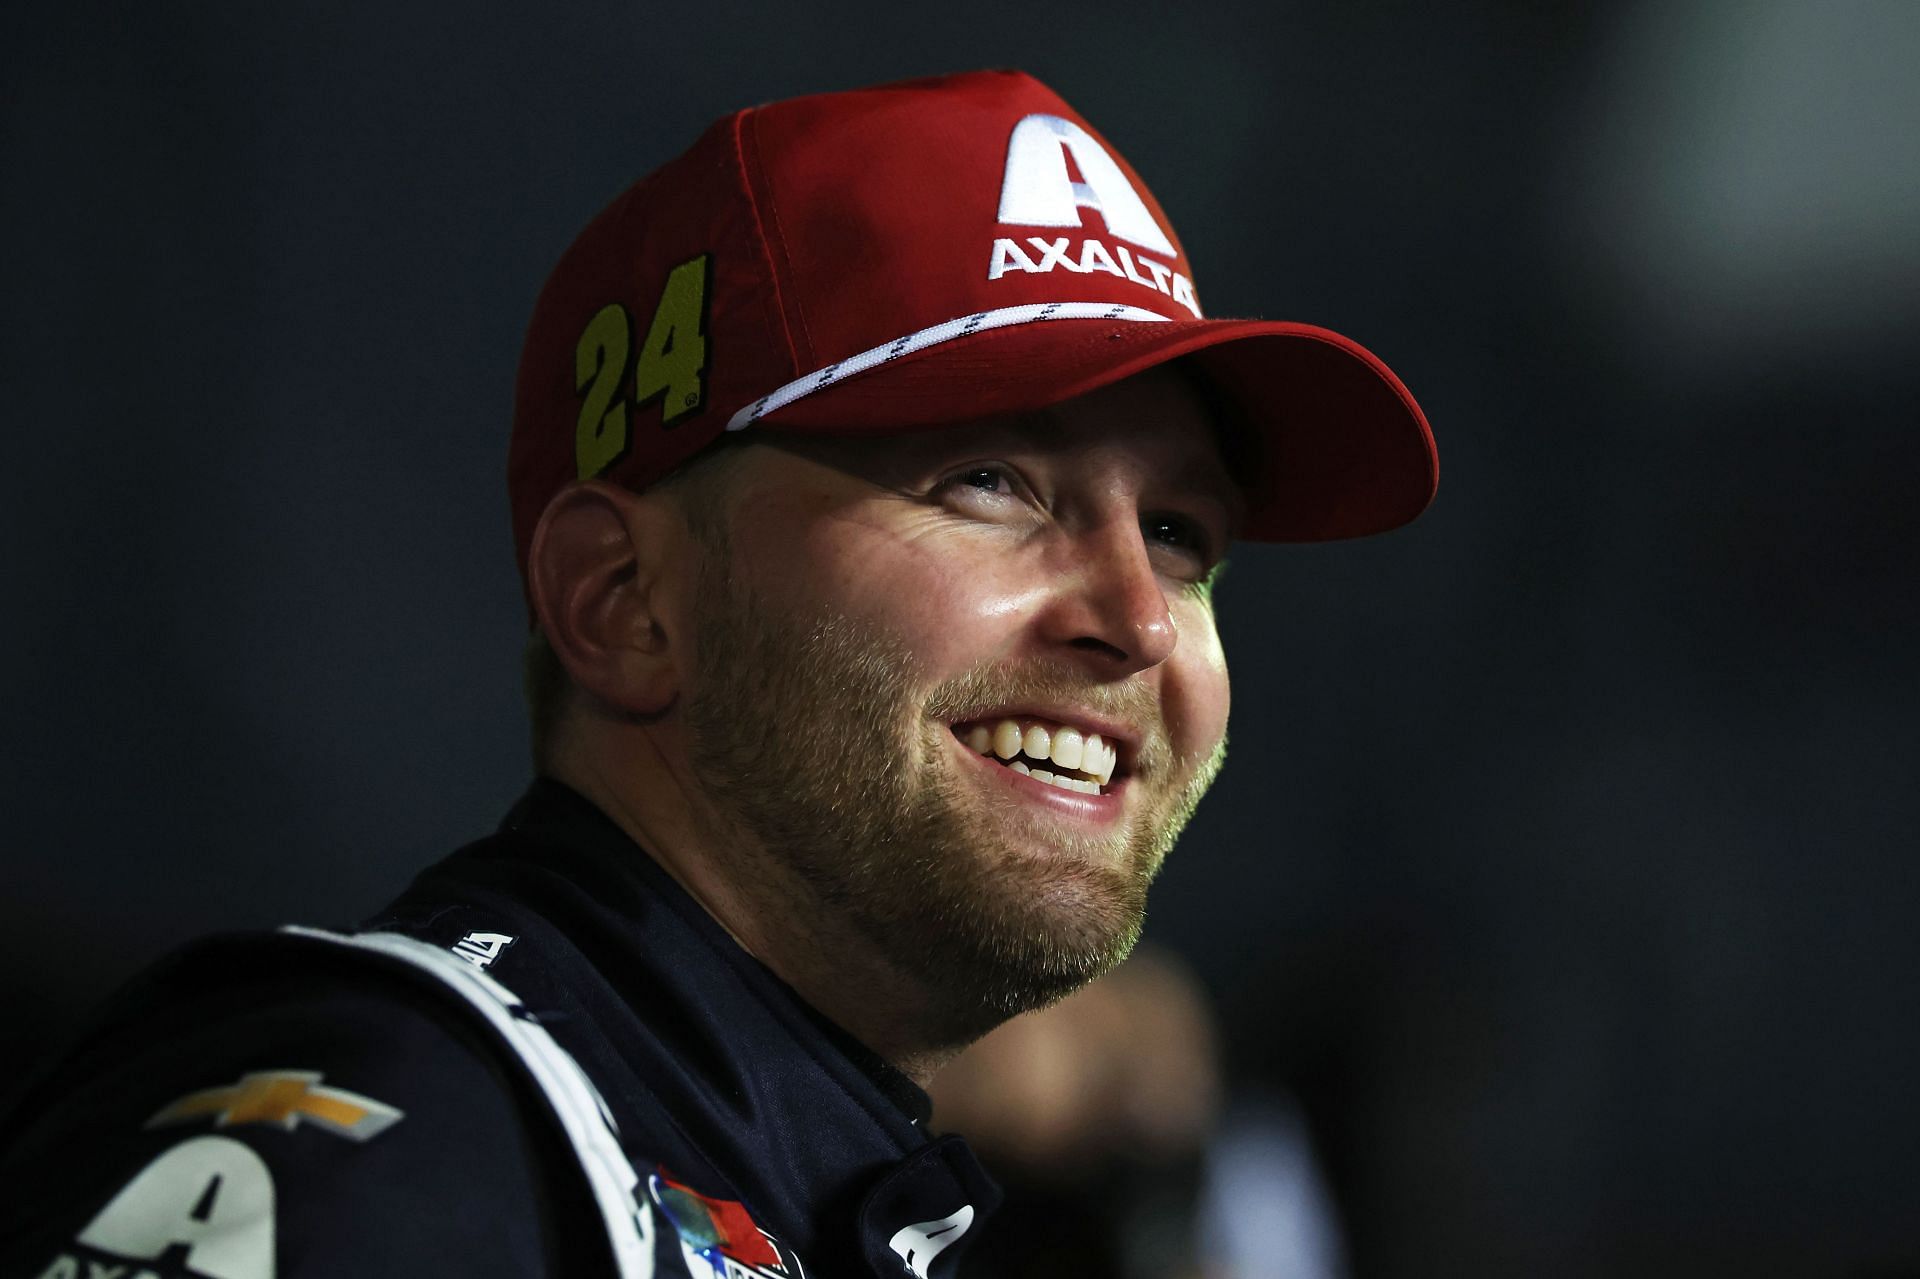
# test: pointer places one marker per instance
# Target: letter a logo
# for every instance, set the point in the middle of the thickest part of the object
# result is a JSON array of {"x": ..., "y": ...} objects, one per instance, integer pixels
[
  {"x": 211, "y": 1194},
  {"x": 1038, "y": 191}
]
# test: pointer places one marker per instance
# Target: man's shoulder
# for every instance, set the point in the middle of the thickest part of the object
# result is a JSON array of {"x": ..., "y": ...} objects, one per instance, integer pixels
[{"x": 262, "y": 1095}]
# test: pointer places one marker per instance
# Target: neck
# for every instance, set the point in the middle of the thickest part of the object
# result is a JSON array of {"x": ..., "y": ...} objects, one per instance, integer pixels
[{"x": 772, "y": 914}]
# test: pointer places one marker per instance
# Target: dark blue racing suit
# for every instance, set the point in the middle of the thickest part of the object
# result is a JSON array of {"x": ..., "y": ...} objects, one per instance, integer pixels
[{"x": 544, "y": 1059}]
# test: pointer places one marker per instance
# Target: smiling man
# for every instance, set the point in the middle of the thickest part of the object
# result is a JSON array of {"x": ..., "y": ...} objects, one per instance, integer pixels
[
  {"x": 950, "y": 694},
  {"x": 871, "y": 465}
]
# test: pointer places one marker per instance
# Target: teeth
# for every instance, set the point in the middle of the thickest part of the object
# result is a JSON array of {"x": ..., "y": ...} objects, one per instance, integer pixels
[
  {"x": 1098, "y": 758},
  {"x": 1068, "y": 747},
  {"x": 1059, "y": 779},
  {"x": 1086, "y": 753}
]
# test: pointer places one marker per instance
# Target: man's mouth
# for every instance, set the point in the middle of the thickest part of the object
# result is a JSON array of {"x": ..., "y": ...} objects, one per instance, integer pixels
[{"x": 1057, "y": 754}]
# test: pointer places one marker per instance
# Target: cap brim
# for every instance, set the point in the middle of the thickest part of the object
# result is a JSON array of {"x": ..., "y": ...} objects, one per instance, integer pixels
[{"x": 1338, "y": 448}]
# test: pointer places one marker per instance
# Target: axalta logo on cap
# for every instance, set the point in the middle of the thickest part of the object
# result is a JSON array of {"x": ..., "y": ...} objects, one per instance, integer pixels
[{"x": 1037, "y": 190}]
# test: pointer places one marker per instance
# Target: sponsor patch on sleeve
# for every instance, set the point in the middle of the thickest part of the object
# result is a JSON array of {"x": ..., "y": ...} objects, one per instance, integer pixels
[{"x": 204, "y": 1208}]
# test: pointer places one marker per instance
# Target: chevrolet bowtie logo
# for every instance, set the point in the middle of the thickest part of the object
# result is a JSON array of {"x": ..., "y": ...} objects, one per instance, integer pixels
[{"x": 284, "y": 1098}]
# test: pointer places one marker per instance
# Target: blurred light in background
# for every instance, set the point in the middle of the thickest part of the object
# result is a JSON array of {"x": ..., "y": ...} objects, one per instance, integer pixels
[{"x": 1748, "y": 178}]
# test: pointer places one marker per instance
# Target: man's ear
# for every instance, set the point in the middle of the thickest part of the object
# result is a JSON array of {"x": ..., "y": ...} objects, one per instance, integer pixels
[{"x": 595, "y": 576}]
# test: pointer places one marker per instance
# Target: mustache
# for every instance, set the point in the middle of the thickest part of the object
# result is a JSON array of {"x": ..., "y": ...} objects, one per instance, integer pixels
[{"x": 973, "y": 694}]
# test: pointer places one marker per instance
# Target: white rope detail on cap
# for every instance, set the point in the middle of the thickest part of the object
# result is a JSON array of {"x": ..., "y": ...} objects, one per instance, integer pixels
[{"x": 1032, "y": 312}]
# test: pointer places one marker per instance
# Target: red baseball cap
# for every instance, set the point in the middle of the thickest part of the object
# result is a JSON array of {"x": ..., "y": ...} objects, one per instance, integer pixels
[{"x": 916, "y": 255}]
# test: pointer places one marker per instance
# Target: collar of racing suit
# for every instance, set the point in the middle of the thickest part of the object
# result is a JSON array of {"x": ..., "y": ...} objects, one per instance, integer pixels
[{"x": 725, "y": 1088}]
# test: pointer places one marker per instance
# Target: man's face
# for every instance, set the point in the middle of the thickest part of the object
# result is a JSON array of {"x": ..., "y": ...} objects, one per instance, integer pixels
[{"x": 895, "y": 635}]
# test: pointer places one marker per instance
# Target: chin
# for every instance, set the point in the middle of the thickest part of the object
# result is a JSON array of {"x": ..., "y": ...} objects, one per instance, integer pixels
[{"x": 1025, "y": 938}]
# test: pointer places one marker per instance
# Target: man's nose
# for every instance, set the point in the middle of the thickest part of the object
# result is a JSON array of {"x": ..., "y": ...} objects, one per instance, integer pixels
[{"x": 1112, "y": 605}]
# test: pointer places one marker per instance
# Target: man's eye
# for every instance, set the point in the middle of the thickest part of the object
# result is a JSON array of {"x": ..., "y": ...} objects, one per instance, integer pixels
[
  {"x": 1178, "y": 532},
  {"x": 985, "y": 480},
  {"x": 988, "y": 479}
]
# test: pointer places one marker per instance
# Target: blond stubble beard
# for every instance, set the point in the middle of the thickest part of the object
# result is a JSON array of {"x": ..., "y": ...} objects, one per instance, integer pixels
[{"x": 796, "y": 739}]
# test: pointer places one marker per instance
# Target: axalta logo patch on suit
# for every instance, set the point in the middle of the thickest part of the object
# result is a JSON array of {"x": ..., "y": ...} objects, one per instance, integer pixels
[
  {"x": 1040, "y": 190},
  {"x": 206, "y": 1206}
]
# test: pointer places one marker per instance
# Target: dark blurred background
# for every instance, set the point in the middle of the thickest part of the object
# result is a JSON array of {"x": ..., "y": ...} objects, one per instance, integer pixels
[{"x": 1564, "y": 868}]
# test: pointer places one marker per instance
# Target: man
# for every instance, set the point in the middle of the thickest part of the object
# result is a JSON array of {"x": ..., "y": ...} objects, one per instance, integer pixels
[{"x": 870, "y": 467}]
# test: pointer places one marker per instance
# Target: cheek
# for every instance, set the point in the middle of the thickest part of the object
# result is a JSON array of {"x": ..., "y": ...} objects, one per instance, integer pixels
[
  {"x": 951, "y": 606},
  {"x": 1198, "y": 692}
]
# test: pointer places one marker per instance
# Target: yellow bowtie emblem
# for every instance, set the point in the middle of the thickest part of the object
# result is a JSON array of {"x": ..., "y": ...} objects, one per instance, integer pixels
[{"x": 286, "y": 1099}]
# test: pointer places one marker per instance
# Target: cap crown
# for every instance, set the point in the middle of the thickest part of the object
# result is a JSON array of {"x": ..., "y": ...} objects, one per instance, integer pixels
[
  {"x": 793, "y": 237},
  {"x": 896, "y": 208}
]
